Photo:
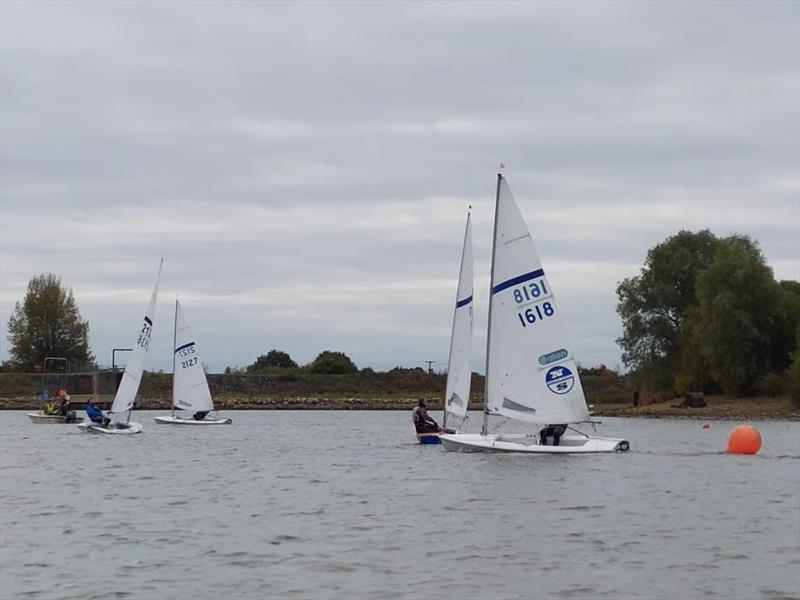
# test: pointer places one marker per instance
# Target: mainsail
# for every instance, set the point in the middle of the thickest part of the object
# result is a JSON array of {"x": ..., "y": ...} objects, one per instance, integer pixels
[
  {"x": 189, "y": 386},
  {"x": 531, "y": 374},
  {"x": 126, "y": 393},
  {"x": 459, "y": 367}
]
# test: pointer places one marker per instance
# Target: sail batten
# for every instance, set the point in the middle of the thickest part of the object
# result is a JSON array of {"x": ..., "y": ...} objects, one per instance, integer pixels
[{"x": 531, "y": 373}]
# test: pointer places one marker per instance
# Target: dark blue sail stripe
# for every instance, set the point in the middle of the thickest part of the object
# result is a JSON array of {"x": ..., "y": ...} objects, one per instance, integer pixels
[
  {"x": 515, "y": 280},
  {"x": 184, "y": 346},
  {"x": 148, "y": 321},
  {"x": 463, "y": 302}
]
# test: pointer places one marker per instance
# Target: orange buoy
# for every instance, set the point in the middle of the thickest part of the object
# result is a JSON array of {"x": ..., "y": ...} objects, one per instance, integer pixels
[
  {"x": 743, "y": 439},
  {"x": 706, "y": 426}
]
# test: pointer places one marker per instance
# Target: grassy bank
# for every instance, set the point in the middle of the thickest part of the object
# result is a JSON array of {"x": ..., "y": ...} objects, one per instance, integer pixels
[
  {"x": 607, "y": 393},
  {"x": 717, "y": 407}
]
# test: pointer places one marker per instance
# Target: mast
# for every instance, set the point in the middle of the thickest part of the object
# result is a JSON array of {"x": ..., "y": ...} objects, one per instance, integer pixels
[
  {"x": 174, "y": 342},
  {"x": 485, "y": 428}
]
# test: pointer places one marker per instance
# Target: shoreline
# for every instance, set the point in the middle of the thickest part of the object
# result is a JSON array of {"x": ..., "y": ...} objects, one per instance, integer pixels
[{"x": 717, "y": 408}]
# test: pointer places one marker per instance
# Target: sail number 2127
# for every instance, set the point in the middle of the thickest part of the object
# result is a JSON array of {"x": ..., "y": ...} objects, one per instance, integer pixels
[
  {"x": 144, "y": 336},
  {"x": 187, "y": 353}
]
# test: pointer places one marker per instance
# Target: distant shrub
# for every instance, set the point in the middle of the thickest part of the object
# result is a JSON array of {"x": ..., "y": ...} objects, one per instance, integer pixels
[
  {"x": 682, "y": 384},
  {"x": 330, "y": 362},
  {"x": 772, "y": 384},
  {"x": 793, "y": 378},
  {"x": 400, "y": 370},
  {"x": 274, "y": 359}
]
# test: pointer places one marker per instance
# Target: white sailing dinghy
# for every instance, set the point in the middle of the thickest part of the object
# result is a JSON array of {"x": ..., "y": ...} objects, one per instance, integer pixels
[
  {"x": 459, "y": 365},
  {"x": 189, "y": 385},
  {"x": 129, "y": 386},
  {"x": 40, "y": 417},
  {"x": 531, "y": 375}
]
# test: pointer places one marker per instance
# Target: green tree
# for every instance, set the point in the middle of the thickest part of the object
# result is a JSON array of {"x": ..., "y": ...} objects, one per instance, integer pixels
[
  {"x": 332, "y": 363},
  {"x": 48, "y": 323},
  {"x": 653, "y": 304},
  {"x": 274, "y": 359},
  {"x": 694, "y": 372},
  {"x": 738, "y": 312},
  {"x": 793, "y": 378},
  {"x": 786, "y": 338}
]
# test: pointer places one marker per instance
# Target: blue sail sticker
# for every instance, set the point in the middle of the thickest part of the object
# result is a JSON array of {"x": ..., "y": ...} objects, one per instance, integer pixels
[
  {"x": 560, "y": 380},
  {"x": 551, "y": 357}
]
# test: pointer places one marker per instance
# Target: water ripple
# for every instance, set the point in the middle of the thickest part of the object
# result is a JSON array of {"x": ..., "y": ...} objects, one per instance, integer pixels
[{"x": 257, "y": 510}]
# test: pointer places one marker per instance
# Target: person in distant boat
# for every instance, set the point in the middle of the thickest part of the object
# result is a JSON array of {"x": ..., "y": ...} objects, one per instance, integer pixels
[
  {"x": 200, "y": 415},
  {"x": 553, "y": 431},
  {"x": 50, "y": 408},
  {"x": 95, "y": 414},
  {"x": 63, "y": 407},
  {"x": 423, "y": 423}
]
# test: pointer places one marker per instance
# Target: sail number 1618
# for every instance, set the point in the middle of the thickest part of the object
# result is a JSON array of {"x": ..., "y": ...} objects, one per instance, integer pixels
[
  {"x": 536, "y": 313},
  {"x": 529, "y": 292}
]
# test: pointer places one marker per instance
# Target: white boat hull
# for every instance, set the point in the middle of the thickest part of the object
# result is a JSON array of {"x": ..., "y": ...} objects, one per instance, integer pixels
[
  {"x": 572, "y": 444},
  {"x": 39, "y": 417},
  {"x": 170, "y": 420},
  {"x": 112, "y": 428}
]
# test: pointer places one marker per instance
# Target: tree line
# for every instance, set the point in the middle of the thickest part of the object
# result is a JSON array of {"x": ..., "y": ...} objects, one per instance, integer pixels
[
  {"x": 706, "y": 314},
  {"x": 47, "y": 323},
  {"x": 327, "y": 362}
]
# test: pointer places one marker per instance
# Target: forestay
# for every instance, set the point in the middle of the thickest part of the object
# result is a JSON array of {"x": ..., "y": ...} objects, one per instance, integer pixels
[
  {"x": 189, "y": 386},
  {"x": 459, "y": 366},
  {"x": 129, "y": 386},
  {"x": 531, "y": 374}
]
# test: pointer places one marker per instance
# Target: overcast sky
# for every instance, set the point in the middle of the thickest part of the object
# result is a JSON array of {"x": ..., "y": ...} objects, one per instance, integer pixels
[{"x": 306, "y": 168}]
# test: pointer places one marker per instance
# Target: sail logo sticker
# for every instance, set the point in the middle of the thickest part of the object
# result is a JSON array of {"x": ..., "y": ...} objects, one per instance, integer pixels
[
  {"x": 560, "y": 380},
  {"x": 551, "y": 357},
  {"x": 455, "y": 399}
]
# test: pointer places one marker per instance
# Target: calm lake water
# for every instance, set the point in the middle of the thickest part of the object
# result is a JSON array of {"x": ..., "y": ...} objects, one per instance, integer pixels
[{"x": 338, "y": 504}]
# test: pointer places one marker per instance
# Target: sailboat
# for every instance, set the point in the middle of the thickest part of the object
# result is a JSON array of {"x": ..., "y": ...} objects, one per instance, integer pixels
[
  {"x": 129, "y": 386},
  {"x": 189, "y": 385},
  {"x": 459, "y": 364},
  {"x": 531, "y": 374}
]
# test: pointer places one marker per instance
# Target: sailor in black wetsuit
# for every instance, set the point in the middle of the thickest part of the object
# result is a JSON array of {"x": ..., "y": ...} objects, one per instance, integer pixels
[
  {"x": 554, "y": 431},
  {"x": 422, "y": 422}
]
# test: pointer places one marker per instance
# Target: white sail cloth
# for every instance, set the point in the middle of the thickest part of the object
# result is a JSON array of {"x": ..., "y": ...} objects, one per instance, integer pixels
[
  {"x": 129, "y": 386},
  {"x": 189, "y": 385},
  {"x": 459, "y": 366},
  {"x": 531, "y": 373}
]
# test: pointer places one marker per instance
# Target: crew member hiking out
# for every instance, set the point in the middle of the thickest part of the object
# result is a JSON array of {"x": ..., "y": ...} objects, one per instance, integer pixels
[
  {"x": 95, "y": 414},
  {"x": 423, "y": 423}
]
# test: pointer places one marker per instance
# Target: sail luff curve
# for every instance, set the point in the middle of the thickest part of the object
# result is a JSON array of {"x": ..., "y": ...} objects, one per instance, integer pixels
[{"x": 459, "y": 366}]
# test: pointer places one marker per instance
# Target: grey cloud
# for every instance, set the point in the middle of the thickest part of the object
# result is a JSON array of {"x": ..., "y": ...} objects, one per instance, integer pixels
[{"x": 310, "y": 164}]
